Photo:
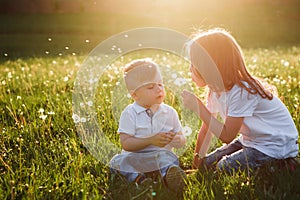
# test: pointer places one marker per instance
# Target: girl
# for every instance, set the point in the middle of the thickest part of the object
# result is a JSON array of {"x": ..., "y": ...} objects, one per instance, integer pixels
[{"x": 267, "y": 131}]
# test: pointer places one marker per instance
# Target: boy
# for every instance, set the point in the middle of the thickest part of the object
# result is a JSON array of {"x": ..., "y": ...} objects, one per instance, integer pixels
[{"x": 148, "y": 129}]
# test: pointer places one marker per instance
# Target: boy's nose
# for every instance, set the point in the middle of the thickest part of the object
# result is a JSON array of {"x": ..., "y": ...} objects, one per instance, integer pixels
[{"x": 159, "y": 88}]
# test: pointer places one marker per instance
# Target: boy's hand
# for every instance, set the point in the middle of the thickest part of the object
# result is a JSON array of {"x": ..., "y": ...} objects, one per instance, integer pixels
[
  {"x": 162, "y": 139},
  {"x": 178, "y": 140}
]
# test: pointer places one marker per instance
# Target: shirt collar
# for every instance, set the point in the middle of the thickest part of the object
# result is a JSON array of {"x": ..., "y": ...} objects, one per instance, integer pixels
[{"x": 138, "y": 109}]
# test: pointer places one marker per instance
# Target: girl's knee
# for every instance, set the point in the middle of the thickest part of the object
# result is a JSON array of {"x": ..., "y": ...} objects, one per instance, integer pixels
[{"x": 227, "y": 165}]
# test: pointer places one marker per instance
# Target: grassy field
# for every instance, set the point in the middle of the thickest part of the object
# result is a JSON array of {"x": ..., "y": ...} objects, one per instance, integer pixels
[
  {"x": 41, "y": 153},
  {"x": 42, "y": 156}
]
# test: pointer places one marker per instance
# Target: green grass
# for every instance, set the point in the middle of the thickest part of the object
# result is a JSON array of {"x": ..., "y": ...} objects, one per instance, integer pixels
[{"x": 42, "y": 156}]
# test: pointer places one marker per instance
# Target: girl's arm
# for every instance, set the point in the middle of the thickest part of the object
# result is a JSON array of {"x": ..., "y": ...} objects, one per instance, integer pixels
[
  {"x": 225, "y": 132},
  {"x": 131, "y": 143}
]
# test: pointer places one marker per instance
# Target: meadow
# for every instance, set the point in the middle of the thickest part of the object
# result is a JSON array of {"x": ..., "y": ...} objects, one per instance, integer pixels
[{"x": 42, "y": 156}]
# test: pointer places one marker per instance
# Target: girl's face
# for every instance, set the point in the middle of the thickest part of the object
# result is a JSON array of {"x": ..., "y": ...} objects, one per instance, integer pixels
[
  {"x": 196, "y": 77},
  {"x": 150, "y": 94}
]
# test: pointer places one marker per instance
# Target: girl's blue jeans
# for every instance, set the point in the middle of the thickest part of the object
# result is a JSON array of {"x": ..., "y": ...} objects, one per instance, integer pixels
[{"x": 234, "y": 156}]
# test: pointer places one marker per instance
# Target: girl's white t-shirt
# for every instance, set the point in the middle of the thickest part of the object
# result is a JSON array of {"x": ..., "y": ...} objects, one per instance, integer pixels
[{"x": 268, "y": 125}]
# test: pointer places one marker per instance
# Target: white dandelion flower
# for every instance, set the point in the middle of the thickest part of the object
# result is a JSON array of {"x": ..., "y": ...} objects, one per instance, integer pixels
[
  {"x": 43, "y": 117},
  {"x": 76, "y": 118},
  {"x": 186, "y": 131},
  {"x": 174, "y": 75},
  {"x": 41, "y": 110},
  {"x": 180, "y": 81},
  {"x": 90, "y": 103},
  {"x": 82, "y": 119}
]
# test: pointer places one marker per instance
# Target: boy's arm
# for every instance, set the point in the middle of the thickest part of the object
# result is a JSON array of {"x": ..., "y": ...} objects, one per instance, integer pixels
[{"x": 131, "y": 143}]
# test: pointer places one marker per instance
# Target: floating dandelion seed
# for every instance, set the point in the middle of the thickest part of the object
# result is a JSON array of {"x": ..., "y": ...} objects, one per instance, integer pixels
[
  {"x": 87, "y": 41},
  {"x": 66, "y": 79},
  {"x": 47, "y": 52},
  {"x": 67, "y": 48},
  {"x": 186, "y": 131},
  {"x": 5, "y": 54},
  {"x": 126, "y": 36},
  {"x": 49, "y": 39},
  {"x": 76, "y": 118},
  {"x": 140, "y": 45}
]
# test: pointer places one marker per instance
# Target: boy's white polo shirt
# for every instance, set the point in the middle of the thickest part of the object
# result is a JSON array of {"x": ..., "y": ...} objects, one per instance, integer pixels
[{"x": 135, "y": 121}]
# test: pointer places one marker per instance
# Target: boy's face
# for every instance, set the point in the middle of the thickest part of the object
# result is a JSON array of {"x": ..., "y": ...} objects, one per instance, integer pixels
[{"x": 150, "y": 94}]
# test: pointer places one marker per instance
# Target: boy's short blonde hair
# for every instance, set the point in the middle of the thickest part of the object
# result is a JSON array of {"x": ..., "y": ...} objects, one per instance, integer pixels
[{"x": 141, "y": 72}]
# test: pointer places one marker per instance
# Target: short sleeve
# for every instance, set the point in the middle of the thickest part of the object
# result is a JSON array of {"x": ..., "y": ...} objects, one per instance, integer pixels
[
  {"x": 176, "y": 121},
  {"x": 241, "y": 103},
  {"x": 127, "y": 123},
  {"x": 211, "y": 105}
]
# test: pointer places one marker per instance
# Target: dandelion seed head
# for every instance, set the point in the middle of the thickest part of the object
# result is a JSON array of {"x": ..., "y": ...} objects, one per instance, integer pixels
[
  {"x": 41, "y": 110},
  {"x": 43, "y": 117},
  {"x": 186, "y": 131},
  {"x": 83, "y": 119},
  {"x": 76, "y": 118},
  {"x": 90, "y": 103}
]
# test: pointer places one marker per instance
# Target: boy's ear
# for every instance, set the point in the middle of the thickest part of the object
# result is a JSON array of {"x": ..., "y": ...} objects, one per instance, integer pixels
[{"x": 133, "y": 94}]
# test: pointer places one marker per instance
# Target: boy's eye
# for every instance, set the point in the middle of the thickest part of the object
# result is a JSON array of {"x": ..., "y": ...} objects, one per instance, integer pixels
[{"x": 150, "y": 86}]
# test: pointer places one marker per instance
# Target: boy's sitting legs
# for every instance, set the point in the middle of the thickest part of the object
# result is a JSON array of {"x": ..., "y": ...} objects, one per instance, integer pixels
[{"x": 175, "y": 179}]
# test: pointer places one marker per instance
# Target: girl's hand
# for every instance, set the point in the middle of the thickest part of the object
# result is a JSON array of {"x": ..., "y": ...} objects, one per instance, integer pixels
[
  {"x": 190, "y": 101},
  {"x": 197, "y": 161},
  {"x": 161, "y": 139}
]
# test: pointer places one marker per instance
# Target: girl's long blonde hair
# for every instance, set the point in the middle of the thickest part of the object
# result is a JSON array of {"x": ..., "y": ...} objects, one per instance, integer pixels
[{"x": 228, "y": 57}]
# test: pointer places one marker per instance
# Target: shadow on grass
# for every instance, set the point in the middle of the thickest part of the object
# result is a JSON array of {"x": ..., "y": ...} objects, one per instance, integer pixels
[{"x": 277, "y": 180}]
